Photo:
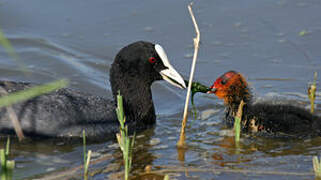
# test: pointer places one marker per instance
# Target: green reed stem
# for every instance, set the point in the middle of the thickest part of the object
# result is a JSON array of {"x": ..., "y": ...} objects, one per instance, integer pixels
[
  {"x": 8, "y": 147},
  {"x": 166, "y": 177},
  {"x": 6, "y": 165},
  {"x": 237, "y": 128},
  {"x": 312, "y": 90},
  {"x": 31, "y": 92},
  {"x": 86, "y": 165},
  {"x": 126, "y": 143},
  {"x": 316, "y": 166},
  {"x": 7, "y": 46},
  {"x": 237, "y": 122},
  {"x": 3, "y": 160}
]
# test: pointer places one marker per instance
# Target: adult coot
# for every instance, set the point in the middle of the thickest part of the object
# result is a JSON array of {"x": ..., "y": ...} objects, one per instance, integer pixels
[
  {"x": 66, "y": 112},
  {"x": 274, "y": 119}
]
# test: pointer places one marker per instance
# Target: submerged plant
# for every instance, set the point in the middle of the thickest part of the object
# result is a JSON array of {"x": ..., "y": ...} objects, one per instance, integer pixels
[
  {"x": 7, "y": 166},
  {"x": 126, "y": 143}
]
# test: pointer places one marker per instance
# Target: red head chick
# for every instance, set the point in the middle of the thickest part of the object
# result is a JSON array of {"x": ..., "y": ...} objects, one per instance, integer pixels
[
  {"x": 232, "y": 87},
  {"x": 272, "y": 118}
]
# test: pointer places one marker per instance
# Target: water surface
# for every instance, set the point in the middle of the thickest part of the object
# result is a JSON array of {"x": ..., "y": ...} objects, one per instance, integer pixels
[{"x": 275, "y": 44}]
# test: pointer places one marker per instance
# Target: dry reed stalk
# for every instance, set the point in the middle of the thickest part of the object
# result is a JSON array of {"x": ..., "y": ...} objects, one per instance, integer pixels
[
  {"x": 13, "y": 117},
  {"x": 196, "y": 40}
]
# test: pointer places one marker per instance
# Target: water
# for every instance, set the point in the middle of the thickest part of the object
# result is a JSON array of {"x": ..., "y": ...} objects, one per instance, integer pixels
[{"x": 77, "y": 40}]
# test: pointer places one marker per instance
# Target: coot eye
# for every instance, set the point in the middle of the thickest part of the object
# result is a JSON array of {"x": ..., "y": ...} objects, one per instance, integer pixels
[{"x": 152, "y": 60}]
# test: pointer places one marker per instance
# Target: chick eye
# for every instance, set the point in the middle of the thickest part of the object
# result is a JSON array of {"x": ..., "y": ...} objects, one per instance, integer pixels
[
  {"x": 152, "y": 60},
  {"x": 224, "y": 81}
]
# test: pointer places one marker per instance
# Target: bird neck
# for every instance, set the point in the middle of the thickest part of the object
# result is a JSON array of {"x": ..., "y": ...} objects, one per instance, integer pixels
[
  {"x": 235, "y": 95},
  {"x": 137, "y": 97}
]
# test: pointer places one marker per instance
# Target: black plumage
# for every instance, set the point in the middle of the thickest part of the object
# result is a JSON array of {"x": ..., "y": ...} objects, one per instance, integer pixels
[
  {"x": 273, "y": 119},
  {"x": 66, "y": 112}
]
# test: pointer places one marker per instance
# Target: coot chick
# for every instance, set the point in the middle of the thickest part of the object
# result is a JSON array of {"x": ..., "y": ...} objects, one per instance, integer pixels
[
  {"x": 270, "y": 119},
  {"x": 66, "y": 112}
]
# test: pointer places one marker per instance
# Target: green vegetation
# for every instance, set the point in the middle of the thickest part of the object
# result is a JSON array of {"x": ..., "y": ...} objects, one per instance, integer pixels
[
  {"x": 10, "y": 50},
  {"x": 29, "y": 93},
  {"x": 311, "y": 94},
  {"x": 87, "y": 156},
  {"x": 166, "y": 177},
  {"x": 6, "y": 165},
  {"x": 87, "y": 165},
  {"x": 303, "y": 33},
  {"x": 312, "y": 90},
  {"x": 7, "y": 45},
  {"x": 316, "y": 166},
  {"x": 7, "y": 100},
  {"x": 196, "y": 87},
  {"x": 237, "y": 122},
  {"x": 32, "y": 92},
  {"x": 126, "y": 143},
  {"x": 237, "y": 128}
]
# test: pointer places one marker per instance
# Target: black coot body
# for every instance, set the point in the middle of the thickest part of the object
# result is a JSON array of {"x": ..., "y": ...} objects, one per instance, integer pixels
[{"x": 66, "y": 112}]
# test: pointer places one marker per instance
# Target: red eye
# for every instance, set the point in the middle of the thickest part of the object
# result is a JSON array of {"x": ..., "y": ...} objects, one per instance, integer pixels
[{"x": 152, "y": 60}]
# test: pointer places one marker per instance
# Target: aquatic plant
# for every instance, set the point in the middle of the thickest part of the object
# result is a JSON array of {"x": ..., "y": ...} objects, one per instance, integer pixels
[
  {"x": 316, "y": 166},
  {"x": 166, "y": 177},
  {"x": 311, "y": 92},
  {"x": 7, "y": 100},
  {"x": 31, "y": 92},
  {"x": 237, "y": 122},
  {"x": 195, "y": 88},
  {"x": 196, "y": 40},
  {"x": 7, "y": 166},
  {"x": 9, "y": 48},
  {"x": 87, "y": 156},
  {"x": 126, "y": 143}
]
